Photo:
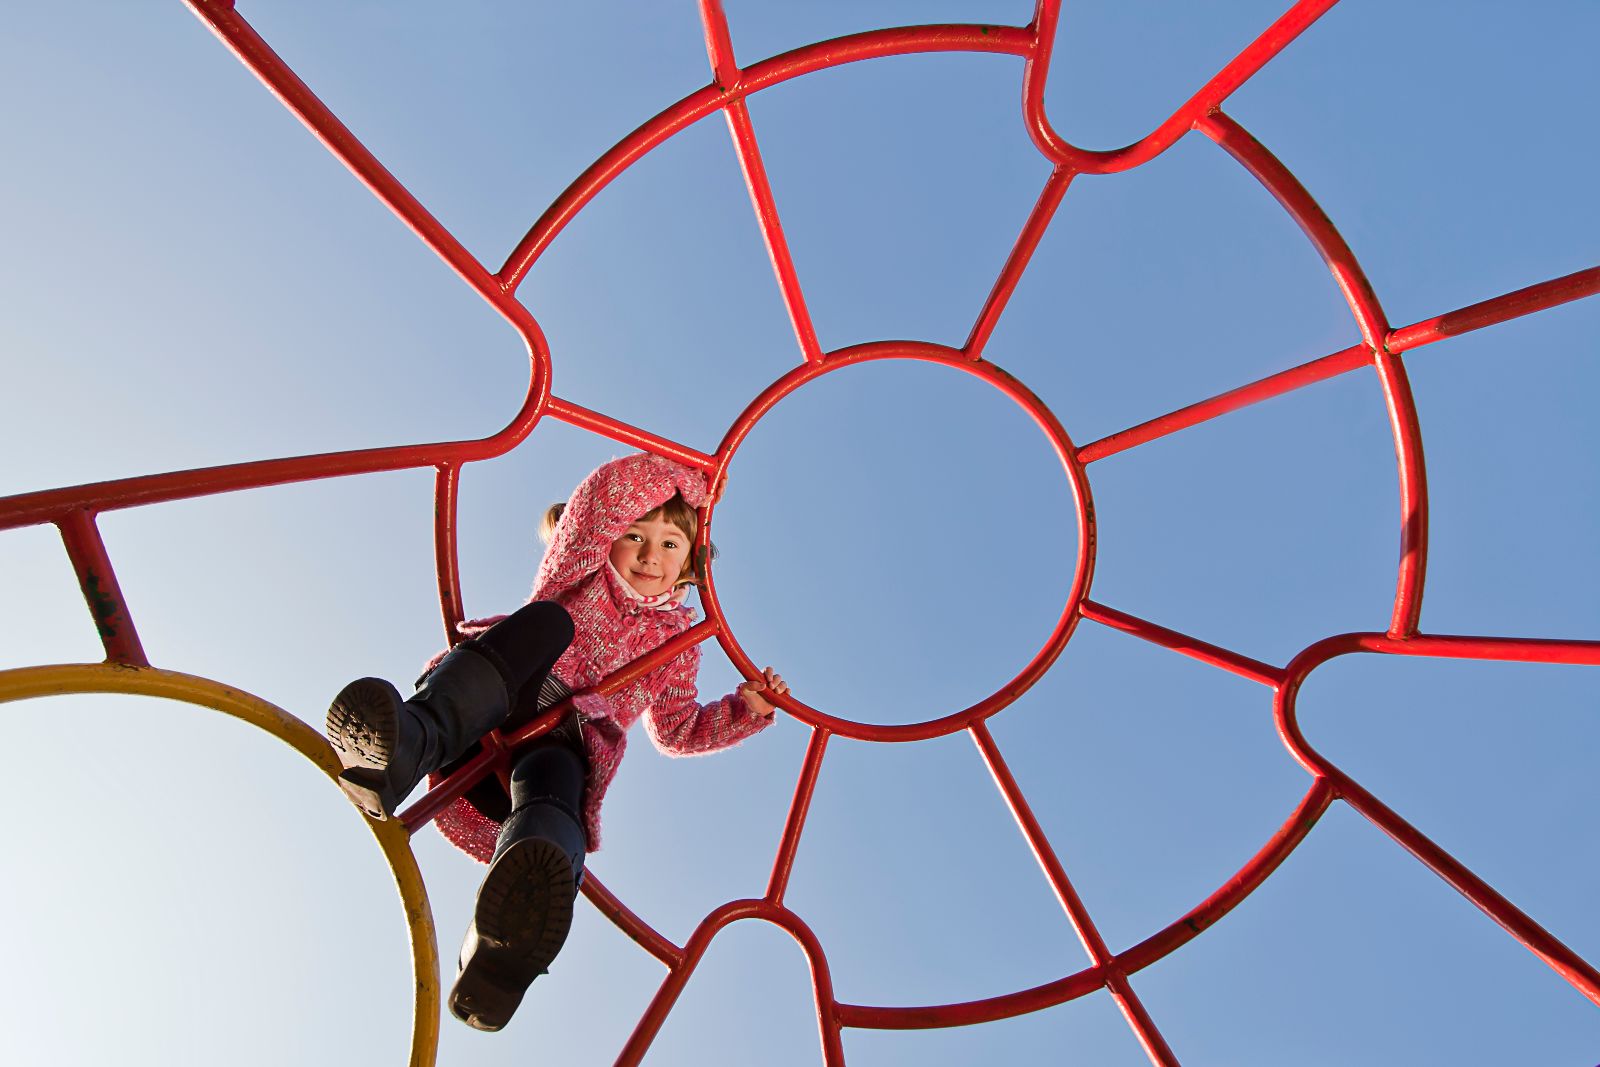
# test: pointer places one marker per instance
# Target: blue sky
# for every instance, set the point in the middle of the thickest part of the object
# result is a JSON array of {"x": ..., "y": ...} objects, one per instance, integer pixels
[{"x": 190, "y": 279}]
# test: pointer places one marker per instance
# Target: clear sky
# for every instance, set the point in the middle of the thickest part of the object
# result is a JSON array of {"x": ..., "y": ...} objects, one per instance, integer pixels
[{"x": 190, "y": 279}]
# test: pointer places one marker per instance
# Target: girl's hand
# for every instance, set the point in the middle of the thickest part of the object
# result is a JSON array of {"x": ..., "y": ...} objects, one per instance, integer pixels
[{"x": 771, "y": 682}]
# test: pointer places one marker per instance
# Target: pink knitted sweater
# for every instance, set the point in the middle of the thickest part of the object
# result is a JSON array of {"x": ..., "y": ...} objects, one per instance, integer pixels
[{"x": 612, "y": 630}]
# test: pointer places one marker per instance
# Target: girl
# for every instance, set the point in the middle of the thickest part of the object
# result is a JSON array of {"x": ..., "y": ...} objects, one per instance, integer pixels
[{"x": 610, "y": 589}]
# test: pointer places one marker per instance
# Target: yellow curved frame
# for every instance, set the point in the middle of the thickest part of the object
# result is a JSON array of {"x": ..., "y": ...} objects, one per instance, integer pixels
[{"x": 66, "y": 679}]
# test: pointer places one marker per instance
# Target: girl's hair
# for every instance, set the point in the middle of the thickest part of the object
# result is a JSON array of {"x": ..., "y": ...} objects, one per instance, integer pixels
[{"x": 676, "y": 511}]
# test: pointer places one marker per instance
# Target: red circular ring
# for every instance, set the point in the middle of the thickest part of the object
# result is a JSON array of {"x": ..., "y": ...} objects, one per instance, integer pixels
[{"x": 1084, "y": 506}]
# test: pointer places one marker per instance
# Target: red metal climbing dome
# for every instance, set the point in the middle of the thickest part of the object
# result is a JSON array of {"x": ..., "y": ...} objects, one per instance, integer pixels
[{"x": 1380, "y": 352}]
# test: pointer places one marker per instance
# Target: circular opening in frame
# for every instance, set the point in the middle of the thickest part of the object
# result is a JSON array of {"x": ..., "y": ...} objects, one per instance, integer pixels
[{"x": 924, "y": 541}]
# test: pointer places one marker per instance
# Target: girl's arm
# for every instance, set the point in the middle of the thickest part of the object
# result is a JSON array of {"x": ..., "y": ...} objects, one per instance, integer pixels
[
  {"x": 681, "y": 726},
  {"x": 601, "y": 509}
]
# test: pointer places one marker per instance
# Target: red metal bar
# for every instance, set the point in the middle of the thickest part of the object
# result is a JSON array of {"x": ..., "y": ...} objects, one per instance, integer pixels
[
  {"x": 605, "y": 426},
  {"x": 1021, "y": 253},
  {"x": 799, "y": 807},
  {"x": 672, "y": 986},
  {"x": 1353, "y": 282},
  {"x": 875, "y": 44},
  {"x": 1135, "y": 959},
  {"x": 1065, "y": 451},
  {"x": 1539, "y": 297},
  {"x": 1273, "y": 385},
  {"x": 1144, "y": 1028},
  {"x": 1454, "y": 646},
  {"x": 755, "y": 179},
  {"x": 668, "y": 650},
  {"x": 1244, "y": 66},
  {"x": 642, "y": 932},
  {"x": 973, "y": 1012},
  {"x": 1044, "y": 854},
  {"x": 1040, "y": 846},
  {"x": 719, "y": 45},
  {"x": 101, "y": 591},
  {"x": 446, "y": 490},
  {"x": 497, "y": 745},
  {"x": 1564, "y": 961},
  {"x": 434, "y": 801},
  {"x": 1309, "y": 216},
  {"x": 1500, "y": 309},
  {"x": 243, "y": 41},
  {"x": 53, "y": 505},
  {"x": 1244, "y": 882},
  {"x": 719, "y": 49},
  {"x": 1407, "y": 429},
  {"x": 1193, "y": 647}
]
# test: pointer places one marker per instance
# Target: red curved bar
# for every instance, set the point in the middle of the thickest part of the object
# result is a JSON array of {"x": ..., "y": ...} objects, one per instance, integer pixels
[
  {"x": 1403, "y": 423},
  {"x": 1245, "y": 881},
  {"x": 1309, "y": 216},
  {"x": 1054, "y": 432},
  {"x": 1140, "y": 956},
  {"x": 874, "y": 44},
  {"x": 1211, "y": 96},
  {"x": 1564, "y": 961},
  {"x": 821, "y": 981},
  {"x": 1357, "y": 289}
]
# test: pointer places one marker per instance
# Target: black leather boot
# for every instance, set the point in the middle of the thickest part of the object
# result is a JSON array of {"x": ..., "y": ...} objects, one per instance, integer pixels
[
  {"x": 524, "y": 908},
  {"x": 387, "y": 744}
]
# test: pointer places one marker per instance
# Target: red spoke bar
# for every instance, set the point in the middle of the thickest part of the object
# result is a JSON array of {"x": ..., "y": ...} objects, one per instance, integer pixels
[
  {"x": 101, "y": 590},
  {"x": 1243, "y": 666},
  {"x": 604, "y": 425},
  {"x": 1540, "y": 297},
  {"x": 1133, "y": 1009},
  {"x": 719, "y": 49},
  {"x": 447, "y": 563},
  {"x": 799, "y": 807},
  {"x": 629, "y": 923},
  {"x": 1021, "y": 253}
]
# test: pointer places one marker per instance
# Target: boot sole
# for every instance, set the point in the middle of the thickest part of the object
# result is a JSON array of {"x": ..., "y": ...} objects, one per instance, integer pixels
[
  {"x": 363, "y": 731},
  {"x": 522, "y": 918}
]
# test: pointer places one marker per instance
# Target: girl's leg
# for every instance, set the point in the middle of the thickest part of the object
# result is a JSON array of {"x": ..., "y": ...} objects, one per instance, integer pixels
[
  {"x": 524, "y": 646},
  {"x": 387, "y": 745},
  {"x": 524, "y": 908}
]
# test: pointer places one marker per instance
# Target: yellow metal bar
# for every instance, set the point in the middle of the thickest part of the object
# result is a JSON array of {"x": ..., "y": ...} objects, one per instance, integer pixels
[{"x": 65, "y": 679}]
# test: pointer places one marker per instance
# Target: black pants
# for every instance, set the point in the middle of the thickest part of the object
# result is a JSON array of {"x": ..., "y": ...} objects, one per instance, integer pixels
[{"x": 524, "y": 646}]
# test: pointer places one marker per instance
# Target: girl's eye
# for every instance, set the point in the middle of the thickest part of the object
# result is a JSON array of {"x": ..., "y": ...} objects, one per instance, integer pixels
[{"x": 669, "y": 544}]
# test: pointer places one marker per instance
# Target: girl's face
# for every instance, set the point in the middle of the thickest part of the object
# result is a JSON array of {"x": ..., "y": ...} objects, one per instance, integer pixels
[{"x": 651, "y": 555}]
